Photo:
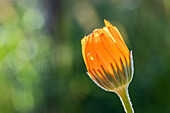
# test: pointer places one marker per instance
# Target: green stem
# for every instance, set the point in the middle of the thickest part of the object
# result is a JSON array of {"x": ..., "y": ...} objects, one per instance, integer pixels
[{"x": 124, "y": 97}]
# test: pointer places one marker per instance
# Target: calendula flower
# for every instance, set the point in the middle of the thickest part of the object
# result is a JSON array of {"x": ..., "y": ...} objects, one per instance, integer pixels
[{"x": 108, "y": 61}]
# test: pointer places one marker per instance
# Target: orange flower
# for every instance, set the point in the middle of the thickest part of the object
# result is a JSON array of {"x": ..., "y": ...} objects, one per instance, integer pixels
[{"x": 107, "y": 58}]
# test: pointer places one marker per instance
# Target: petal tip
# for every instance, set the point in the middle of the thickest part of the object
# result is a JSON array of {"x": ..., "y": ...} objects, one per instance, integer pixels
[{"x": 107, "y": 23}]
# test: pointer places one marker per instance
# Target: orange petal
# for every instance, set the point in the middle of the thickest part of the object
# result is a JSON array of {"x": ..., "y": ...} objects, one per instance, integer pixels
[
  {"x": 116, "y": 36},
  {"x": 112, "y": 49},
  {"x": 108, "y": 24},
  {"x": 103, "y": 56}
]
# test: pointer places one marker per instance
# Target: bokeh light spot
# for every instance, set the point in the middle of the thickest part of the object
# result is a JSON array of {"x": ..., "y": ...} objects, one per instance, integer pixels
[
  {"x": 33, "y": 19},
  {"x": 26, "y": 50}
]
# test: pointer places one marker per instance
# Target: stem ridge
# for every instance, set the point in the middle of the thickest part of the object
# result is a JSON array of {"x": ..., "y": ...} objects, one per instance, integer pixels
[{"x": 125, "y": 99}]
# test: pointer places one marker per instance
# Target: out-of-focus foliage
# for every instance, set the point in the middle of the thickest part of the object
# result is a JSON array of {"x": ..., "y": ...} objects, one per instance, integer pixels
[
  {"x": 41, "y": 67},
  {"x": 25, "y": 51}
]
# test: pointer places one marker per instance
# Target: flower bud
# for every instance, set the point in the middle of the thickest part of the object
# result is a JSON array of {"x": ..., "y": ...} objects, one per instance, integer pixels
[{"x": 107, "y": 58}]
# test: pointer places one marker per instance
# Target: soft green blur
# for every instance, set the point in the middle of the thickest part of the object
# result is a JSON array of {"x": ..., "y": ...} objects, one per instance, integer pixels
[{"x": 41, "y": 66}]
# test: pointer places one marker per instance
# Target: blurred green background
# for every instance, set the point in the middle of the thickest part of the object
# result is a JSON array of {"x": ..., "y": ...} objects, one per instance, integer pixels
[{"x": 41, "y": 66}]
